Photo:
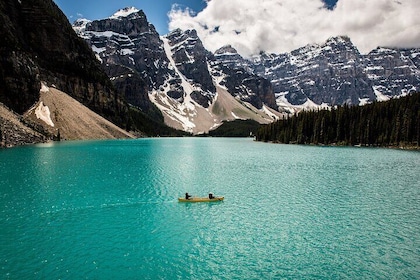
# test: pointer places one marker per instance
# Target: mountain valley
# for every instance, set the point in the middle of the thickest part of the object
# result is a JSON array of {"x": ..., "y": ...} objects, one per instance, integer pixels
[{"x": 131, "y": 76}]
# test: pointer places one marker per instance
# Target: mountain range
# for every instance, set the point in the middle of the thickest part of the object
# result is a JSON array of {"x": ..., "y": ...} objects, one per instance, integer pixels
[
  {"x": 175, "y": 73},
  {"x": 78, "y": 81},
  {"x": 196, "y": 90}
]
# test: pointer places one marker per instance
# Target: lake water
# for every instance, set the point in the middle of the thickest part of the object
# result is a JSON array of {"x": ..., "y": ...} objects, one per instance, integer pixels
[{"x": 109, "y": 210}]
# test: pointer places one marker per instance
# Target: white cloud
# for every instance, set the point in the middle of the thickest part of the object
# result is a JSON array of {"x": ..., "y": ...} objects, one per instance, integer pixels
[{"x": 283, "y": 25}]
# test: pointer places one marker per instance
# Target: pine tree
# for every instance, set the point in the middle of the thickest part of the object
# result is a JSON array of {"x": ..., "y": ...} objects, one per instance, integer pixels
[{"x": 393, "y": 122}]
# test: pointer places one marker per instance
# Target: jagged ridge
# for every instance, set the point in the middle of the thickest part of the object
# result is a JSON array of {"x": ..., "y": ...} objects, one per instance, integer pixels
[
  {"x": 179, "y": 75},
  {"x": 175, "y": 72}
]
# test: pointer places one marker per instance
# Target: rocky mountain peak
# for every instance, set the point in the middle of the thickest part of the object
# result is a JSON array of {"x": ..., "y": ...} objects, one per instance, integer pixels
[
  {"x": 130, "y": 21},
  {"x": 393, "y": 71},
  {"x": 229, "y": 57},
  {"x": 334, "y": 49},
  {"x": 330, "y": 73},
  {"x": 341, "y": 47},
  {"x": 80, "y": 24},
  {"x": 227, "y": 49},
  {"x": 336, "y": 73},
  {"x": 131, "y": 52},
  {"x": 191, "y": 58},
  {"x": 187, "y": 37},
  {"x": 339, "y": 40}
]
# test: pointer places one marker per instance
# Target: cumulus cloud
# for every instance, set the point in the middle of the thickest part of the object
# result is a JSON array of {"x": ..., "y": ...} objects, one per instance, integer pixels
[{"x": 279, "y": 26}]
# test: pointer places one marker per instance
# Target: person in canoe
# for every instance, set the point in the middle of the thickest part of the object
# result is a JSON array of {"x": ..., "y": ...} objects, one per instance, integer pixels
[
  {"x": 211, "y": 196},
  {"x": 187, "y": 196}
]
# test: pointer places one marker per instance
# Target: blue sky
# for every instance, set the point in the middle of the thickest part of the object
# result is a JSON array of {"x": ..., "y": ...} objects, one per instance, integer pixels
[{"x": 155, "y": 10}]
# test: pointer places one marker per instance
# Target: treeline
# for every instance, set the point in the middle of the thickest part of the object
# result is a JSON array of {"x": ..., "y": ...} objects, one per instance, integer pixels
[
  {"x": 144, "y": 125},
  {"x": 392, "y": 123},
  {"x": 235, "y": 128}
]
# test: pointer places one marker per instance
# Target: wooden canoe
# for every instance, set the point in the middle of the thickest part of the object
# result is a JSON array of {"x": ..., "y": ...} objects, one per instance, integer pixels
[{"x": 201, "y": 199}]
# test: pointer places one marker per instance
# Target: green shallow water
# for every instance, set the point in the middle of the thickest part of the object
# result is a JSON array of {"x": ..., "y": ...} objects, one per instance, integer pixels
[{"x": 109, "y": 210}]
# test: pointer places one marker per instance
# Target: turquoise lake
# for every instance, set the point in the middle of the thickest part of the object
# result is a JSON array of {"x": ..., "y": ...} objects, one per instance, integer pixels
[{"x": 109, "y": 210}]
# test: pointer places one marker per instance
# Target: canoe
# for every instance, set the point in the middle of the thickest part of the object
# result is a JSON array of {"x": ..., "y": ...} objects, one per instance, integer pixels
[{"x": 201, "y": 199}]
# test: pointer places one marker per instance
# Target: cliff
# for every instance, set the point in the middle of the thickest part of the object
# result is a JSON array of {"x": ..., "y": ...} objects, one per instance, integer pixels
[{"x": 39, "y": 45}]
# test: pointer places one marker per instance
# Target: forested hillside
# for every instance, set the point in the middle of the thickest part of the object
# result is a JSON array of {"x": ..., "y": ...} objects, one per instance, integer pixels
[
  {"x": 236, "y": 128},
  {"x": 392, "y": 123}
]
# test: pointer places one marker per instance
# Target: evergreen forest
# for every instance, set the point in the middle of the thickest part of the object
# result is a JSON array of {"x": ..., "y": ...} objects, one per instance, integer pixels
[
  {"x": 235, "y": 128},
  {"x": 392, "y": 123}
]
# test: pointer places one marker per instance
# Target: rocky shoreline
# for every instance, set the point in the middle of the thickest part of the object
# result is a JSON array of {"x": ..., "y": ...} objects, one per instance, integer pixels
[{"x": 14, "y": 132}]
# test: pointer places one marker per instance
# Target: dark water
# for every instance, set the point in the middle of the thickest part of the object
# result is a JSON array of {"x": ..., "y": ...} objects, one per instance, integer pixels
[{"x": 109, "y": 210}]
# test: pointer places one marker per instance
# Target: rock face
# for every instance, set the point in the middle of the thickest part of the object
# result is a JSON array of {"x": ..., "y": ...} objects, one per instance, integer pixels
[
  {"x": 240, "y": 80},
  {"x": 191, "y": 60},
  {"x": 174, "y": 73},
  {"x": 131, "y": 53},
  {"x": 331, "y": 73},
  {"x": 206, "y": 71},
  {"x": 335, "y": 73},
  {"x": 38, "y": 44},
  {"x": 15, "y": 132},
  {"x": 393, "y": 72}
]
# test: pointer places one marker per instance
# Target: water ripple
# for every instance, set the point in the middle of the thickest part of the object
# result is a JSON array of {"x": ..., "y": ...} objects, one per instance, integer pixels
[{"x": 289, "y": 212}]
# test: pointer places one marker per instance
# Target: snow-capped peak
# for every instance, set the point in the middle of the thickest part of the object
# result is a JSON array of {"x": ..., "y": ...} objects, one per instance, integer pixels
[
  {"x": 124, "y": 12},
  {"x": 80, "y": 25},
  {"x": 339, "y": 40}
]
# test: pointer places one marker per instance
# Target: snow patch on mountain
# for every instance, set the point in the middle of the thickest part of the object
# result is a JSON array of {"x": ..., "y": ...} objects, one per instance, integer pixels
[
  {"x": 181, "y": 112},
  {"x": 379, "y": 95},
  {"x": 187, "y": 86},
  {"x": 98, "y": 50},
  {"x": 124, "y": 12},
  {"x": 274, "y": 115},
  {"x": 44, "y": 88},
  {"x": 363, "y": 101},
  {"x": 79, "y": 26},
  {"x": 290, "y": 109},
  {"x": 43, "y": 112}
]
